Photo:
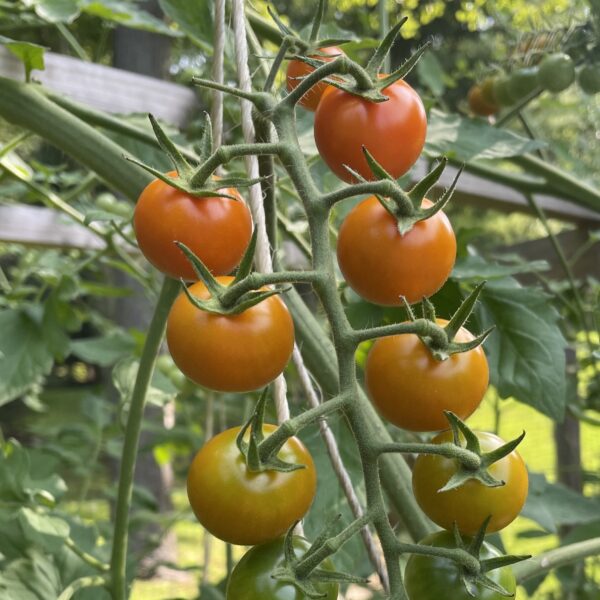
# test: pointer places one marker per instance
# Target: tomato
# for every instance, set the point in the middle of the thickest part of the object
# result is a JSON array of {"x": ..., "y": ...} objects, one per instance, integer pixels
[
  {"x": 242, "y": 507},
  {"x": 478, "y": 104},
  {"x": 501, "y": 91},
  {"x": 216, "y": 229},
  {"x": 433, "y": 578},
  {"x": 392, "y": 131},
  {"x": 251, "y": 577},
  {"x": 487, "y": 90},
  {"x": 556, "y": 72},
  {"x": 412, "y": 389},
  {"x": 588, "y": 79},
  {"x": 297, "y": 70},
  {"x": 230, "y": 353},
  {"x": 381, "y": 265},
  {"x": 522, "y": 82},
  {"x": 471, "y": 503}
]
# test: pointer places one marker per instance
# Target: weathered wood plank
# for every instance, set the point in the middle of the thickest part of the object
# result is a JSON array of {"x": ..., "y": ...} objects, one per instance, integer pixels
[
  {"x": 106, "y": 88},
  {"x": 39, "y": 226}
]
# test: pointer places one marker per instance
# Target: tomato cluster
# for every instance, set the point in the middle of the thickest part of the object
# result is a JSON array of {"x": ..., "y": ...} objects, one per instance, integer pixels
[{"x": 408, "y": 385}]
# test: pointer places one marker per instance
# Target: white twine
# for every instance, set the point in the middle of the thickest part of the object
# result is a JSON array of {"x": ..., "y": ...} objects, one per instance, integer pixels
[
  {"x": 263, "y": 261},
  {"x": 216, "y": 113}
]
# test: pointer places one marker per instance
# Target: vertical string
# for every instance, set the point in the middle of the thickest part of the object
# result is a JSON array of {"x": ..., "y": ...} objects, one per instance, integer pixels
[{"x": 263, "y": 260}]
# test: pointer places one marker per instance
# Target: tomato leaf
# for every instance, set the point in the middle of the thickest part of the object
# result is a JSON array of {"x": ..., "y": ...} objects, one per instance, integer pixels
[
  {"x": 41, "y": 530},
  {"x": 195, "y": 19},
  {"x": 54, "y": 11},
  {"x": 31, "y": 55},
  {"x": 553, "y": 505},
  {"x": 466, "y": 139},
  {"x": 104, "y": 350},
  {"x": 526, "y": 352},
  {"x": 31, "y": 578}
]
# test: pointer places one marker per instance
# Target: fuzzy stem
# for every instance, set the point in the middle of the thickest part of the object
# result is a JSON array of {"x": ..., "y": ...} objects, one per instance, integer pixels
[{"x": 154, "y": 337}]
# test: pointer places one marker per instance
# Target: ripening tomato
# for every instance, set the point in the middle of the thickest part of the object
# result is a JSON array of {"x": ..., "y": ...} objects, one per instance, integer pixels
[
  {"x": 216, "y": 229},
  {"x": 251, "y": 577},
  {"x": 411, "y": 389},
  {"x": 478, "y": 105},
  {"x": 470, "y": 504},
  {"x": 392, "y": 131},
  {"x": 246, "y": 508},
  {"x": 230, "y": 353},
  {"x": 381, "y": 264},
  {"x": 434, "y": 578},
  {"x": 297, "y": 70}
]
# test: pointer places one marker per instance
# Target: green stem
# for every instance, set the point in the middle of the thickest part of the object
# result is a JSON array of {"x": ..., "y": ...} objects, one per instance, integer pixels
[
  {"x": 469, "y": 459},
  {"x": 291, "y": 427},
  {"x": 277, "y": 61},
  {"x": 111, "y": 123},
  {"x": 72, "y": 41},
  {"x": 541, "y": 564},
  {"x": 314, "y": 559},
  {"x": 420, "y": 327},
  {"x": 154, "y": 337},
  {"x": 80, "y": 584},
  {"x": 455, "y": 554},
  {"x": 86, "y": 557}
]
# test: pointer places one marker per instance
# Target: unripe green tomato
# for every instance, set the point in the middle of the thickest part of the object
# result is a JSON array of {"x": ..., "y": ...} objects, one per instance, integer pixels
[
  {"x": 251, "y": 577},
  {"x": 502, "y": 91},
  {"x": 165, "y": 364},
  {"x": 556, "y": 72},
  {"x": 589, "y": 79},
  {"x": 522, "y": 82},
  {"x": 109, "y": 203},
  {"x": 434, "y": 578}
]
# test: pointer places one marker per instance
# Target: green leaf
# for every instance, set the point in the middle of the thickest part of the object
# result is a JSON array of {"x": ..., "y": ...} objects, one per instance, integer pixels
[
  {"x": 31, "y": 55},
  {"x": 104, "y": 350},
  {"x": 553, "y": 505},
  {"x": 476, "y": 268},
  {"x": 431, "y": 73},
  {"x": 54, "y": 11},
  {"x": 32, "y": 578},
  {"x": 43, "y": 531},
  {"x": 195, "y": 19},
  {"x": 466, "y": 139},
  {"x": 25, "y": 356},
  {"x": 527, "y": 350},
  {"x": 126, "y": 14}
]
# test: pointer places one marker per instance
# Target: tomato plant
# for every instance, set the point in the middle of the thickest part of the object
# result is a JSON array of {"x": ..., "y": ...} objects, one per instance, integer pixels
[
  {"x": 471, "y": 503},
  {"x": 232, "y": 353},
  {"x": 243, "y": 507},
  {"x": 215, "y": 228},
  {"x": 412, "y": 389},
  {"x": 298, "y": 69},
  {"x": 392, "y": 131},
  {"x": 556, "y": 72},
  {"x": 251, "y": 578},
  {"x": 432, "y": 577},
  {"x": 380, "y": 264}
]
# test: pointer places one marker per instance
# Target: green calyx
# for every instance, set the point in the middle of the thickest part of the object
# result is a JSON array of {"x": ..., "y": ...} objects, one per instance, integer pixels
[
  {"x": 187, "y": 175},
  {"x": 441, "y": 340},
  {"x": 304, "y": 572},
  {"x": 365, "y": 83},
  {"x": 472, "y": 579},
  {"x": 407, "y": 207},
  {"x": 222, "y": 300},
  {"x": 251, "y": 449},
  {"x": 467, "y": 469}
]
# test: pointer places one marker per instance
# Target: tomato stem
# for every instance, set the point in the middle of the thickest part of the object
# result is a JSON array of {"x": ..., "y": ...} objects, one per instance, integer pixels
[{"x": 168, "y": 293}]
